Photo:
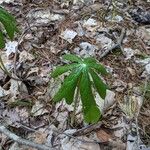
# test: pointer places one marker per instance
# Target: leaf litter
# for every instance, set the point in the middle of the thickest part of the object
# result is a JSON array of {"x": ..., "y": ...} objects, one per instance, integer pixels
[{"x": 83, "y": 27}]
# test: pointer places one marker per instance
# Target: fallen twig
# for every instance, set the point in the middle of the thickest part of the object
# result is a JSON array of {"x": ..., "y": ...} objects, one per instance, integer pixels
[
  {"x": 87, "y": 129},
  {"x": 84, "y": 141},
  {"x": 22, "y": 141},
  {"x": 117, "y": 45}
]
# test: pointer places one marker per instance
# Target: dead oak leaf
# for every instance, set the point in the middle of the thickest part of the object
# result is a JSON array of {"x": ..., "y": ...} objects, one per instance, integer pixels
[{"x": 103, "y": 136}]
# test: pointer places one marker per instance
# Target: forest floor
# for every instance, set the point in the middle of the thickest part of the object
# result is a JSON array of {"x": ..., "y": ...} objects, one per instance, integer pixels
[{"x": 117, "y": 34}]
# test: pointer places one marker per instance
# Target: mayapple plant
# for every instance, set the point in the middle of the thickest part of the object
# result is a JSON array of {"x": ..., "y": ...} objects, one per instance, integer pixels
[
  {"x": 82, "y": 79},
  {"x": 7, "y": 22}
]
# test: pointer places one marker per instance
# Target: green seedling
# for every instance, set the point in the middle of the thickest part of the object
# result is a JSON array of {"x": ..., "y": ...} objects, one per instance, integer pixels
[
  {"x": 7, "y": 24},
  {"x": 82, "y": 79}
]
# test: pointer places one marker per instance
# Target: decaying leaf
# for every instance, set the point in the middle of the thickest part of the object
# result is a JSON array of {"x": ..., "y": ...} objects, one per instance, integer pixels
[
  {"x": 68, "y": 35},
  {"x": 38, "y": 109},
  {"x": 103, "y": 135}
]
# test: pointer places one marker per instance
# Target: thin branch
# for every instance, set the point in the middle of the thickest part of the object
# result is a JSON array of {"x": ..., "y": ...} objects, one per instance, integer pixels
[
  {"x": 22, "y": 141},
  {"x": 84, "y": 141},
  {"x": 117, "y": 45},
  {"x": 87, "y": 129}
]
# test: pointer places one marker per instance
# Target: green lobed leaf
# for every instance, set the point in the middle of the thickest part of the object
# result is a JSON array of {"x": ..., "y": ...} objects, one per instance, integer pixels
[
  {"x": 99, "y": 85},
  {"x": 85, "y": 90},
  {"x": 67, "y": 90},
  {"x": 2, "y": 42},
  {"x": 98, "y": 68},
  {"x": 72, "y": 58},
  {"x": 62, "y": 69},
  {"x": 9, "y": 27},
  {"x": 87, "y": 99},
  {"x": 8, "y": 22},
  {"x": 3, "y": 11},
  {"x": 89, "y": 60},
  {"x": 92, "y": 63},
  {"x": 79, "y": 78},
  {"x": 92, "y": 115}
]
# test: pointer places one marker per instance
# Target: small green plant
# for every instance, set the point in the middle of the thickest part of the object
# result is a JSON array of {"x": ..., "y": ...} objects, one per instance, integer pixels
[
  {"x": 7, "y": 23},
  {"x": 83, "y": 76}
]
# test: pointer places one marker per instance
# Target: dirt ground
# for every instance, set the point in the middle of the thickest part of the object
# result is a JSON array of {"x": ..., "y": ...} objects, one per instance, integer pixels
[{"x": 116, "y": 33}]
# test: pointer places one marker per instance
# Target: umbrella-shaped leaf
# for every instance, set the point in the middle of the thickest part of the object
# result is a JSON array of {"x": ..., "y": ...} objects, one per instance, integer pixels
[
  {"x": 80, "y": 78},
  {"x": 92, "y": 115},
  {"x": 67, "y": 90},
  {"x": 62, "y": 69},
  {"x": 72, "y": 58},
  {"x": 99, "y": 85}
]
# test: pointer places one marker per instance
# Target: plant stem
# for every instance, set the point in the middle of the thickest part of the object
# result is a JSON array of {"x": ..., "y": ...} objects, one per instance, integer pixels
[
  {"x": 2, "y": 66},
  {"x": 75, "y": 106},
  {"x": 5, "y": 70}
]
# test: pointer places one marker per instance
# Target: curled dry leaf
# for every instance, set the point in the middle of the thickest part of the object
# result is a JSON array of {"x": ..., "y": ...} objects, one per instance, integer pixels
[
  {"x": 38, "y": 109},
  {"x": 68, "y": 35},
  {"x": 147, "y": 68},
  {"x": 3, "y": 92},
  {"x": 87, "y": 49},
  {"x": 103, "y": 136},
  {"x": 25, "y": 56},
  {"x": 106, "y": 43},
  {"x": 119, "y": 85},
  {"x": 40, "y": 137},
  {"x": 6, "y": 1},
  {"x": 43, "y": 16},
  {"x": 11, "y": 47},
  {"x": 75, "y": 144}
]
